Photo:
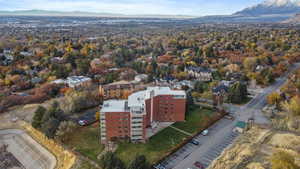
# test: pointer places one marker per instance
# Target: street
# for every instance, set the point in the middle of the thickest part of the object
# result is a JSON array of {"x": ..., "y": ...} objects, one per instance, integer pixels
[{"x": 221, "y": 134}]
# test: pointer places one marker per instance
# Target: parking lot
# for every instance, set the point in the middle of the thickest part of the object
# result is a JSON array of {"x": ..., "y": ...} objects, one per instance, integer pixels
[
  {"x": 214, "y": 152},
  {"x": 24, "y": 152},
  {"x": 211, "y": 152}
]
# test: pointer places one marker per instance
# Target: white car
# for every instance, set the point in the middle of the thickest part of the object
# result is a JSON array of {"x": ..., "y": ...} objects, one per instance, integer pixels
[{"x": 205, "y": 133}]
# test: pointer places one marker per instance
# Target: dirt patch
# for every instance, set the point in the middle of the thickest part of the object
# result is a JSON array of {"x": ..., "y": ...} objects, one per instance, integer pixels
[{"x": 254, "y": 149}]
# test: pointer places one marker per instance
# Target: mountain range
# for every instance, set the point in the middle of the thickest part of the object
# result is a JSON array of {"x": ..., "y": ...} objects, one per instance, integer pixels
[
  {"x": 293, "y": 20},
  {"x": 272, "y": 7},
  {"x": 267, "y": 11}
]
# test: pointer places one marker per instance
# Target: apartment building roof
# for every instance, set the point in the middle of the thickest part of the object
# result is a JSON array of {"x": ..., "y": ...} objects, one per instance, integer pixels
[
  {"x": 138, "y": 99},
  {"x": 73, "y": 80},
  {"x": 110, "y": 106},
  {"x": 118, "y": 85}
]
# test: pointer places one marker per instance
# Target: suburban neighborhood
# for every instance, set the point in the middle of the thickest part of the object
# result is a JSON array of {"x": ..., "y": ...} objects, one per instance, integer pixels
[{"x": 85, "y": 90}]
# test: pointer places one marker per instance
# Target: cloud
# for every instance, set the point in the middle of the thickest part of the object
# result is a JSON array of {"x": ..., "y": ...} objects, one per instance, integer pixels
[{"x": 184, "y": 7}]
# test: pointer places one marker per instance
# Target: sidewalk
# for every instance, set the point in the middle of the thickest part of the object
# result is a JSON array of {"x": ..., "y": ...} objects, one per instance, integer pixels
[{"x": 184, "y": 132}]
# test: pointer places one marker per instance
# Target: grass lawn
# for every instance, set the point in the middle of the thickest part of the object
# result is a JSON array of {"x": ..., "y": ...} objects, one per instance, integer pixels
[
  {"x": 163, "y": 142},
  {"x": 154, "y": 149},
  {"x": 194, "y": 119},
  {"x": 86, "y": 141},
  {"x": 85, "y": 165}
]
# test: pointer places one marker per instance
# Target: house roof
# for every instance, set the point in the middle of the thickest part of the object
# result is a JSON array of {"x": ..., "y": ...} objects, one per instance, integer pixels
[
  {"x": 220, "y": 89},
  {"x": 199, "y": 69}
]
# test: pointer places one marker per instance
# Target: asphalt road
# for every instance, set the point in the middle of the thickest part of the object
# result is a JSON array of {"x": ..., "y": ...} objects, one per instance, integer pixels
[{"x": 221, "y": 134}]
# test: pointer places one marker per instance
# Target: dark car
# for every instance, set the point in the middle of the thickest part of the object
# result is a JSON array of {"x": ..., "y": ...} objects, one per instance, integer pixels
[
  {"x": 198, "y": 165},
  {"x": 159, "y": 166},
  {"x": 195, "y": 142}
]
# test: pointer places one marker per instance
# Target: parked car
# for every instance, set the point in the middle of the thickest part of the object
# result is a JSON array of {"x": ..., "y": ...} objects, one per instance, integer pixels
[
  {"x": 229, "y": 117},
  {"x": 87, "y": 119},
  {"x": 195, "y": 142},
  {"x": 205, "y": 133},
  {"x": 199, "y": 165},
  {"x": 159, "y": 166}
]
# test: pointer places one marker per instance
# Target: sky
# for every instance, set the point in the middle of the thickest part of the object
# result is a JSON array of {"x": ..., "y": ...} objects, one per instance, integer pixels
[{"x": 133, "y": 7}]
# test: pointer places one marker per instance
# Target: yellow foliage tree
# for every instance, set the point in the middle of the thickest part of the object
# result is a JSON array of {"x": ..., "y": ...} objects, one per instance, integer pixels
[
  {"x": 292, "y": 107},
  {"x": 273, "y": 98},
  {"x": 97, "y": 115},
  {"x": 250, "y": 63}
]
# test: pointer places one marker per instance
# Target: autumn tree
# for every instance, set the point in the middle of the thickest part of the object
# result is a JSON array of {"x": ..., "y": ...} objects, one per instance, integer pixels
[
  {"x": 292, "y": 106},
  {"x": 274, "y": 98},
  {"x": 237, "y": 93},
  {"x": 82, "y": 66},
  {"x": 65, "y": 129},
  {"x": 38, "y": 116},
  {"x": 140, "y": 162},
  {"x": 250, "y": 63},
  {"x": 111, "y": 161},
  {"x": 97, "y": 115}
]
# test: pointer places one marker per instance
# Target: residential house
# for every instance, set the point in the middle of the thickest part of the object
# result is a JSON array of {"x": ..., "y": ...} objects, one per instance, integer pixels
[
  {"x": 219, "y": 94},
  {"x": 200, "y": 73},
  {"x": 74, "y": 81},
  {"x": 141, "y": 78}
]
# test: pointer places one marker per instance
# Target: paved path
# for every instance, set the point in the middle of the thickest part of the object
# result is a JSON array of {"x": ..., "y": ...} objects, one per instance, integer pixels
[
  {"x": 221, "y": 134},
  {"x": 181, "y": 131}
]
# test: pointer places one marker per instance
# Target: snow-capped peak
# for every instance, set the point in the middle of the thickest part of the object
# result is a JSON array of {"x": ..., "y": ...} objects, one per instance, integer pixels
[{"x": 279, "y": 3}]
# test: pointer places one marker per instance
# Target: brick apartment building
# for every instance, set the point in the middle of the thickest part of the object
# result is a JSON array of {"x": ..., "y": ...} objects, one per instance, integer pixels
[
  {"x": 117, "y": 90},
  {"x": 121, "y": 119}
]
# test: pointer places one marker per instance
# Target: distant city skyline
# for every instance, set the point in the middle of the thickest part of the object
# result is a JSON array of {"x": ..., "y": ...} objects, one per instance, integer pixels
[{"x": 134, "y": 7}]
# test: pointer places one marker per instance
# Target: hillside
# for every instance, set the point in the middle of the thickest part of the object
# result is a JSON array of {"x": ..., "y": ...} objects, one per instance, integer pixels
[
  {"x": 293, "y": 20},
  {"x": 272, "y": 7},
  {"x": 257, "y": 148},
  {"x": 269, "y": 11}
]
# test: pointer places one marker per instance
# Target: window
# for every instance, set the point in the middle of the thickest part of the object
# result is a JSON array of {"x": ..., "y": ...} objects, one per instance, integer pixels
[
  {"x": 178, "y": 96},
  {"x": 136, "y": 127}
]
